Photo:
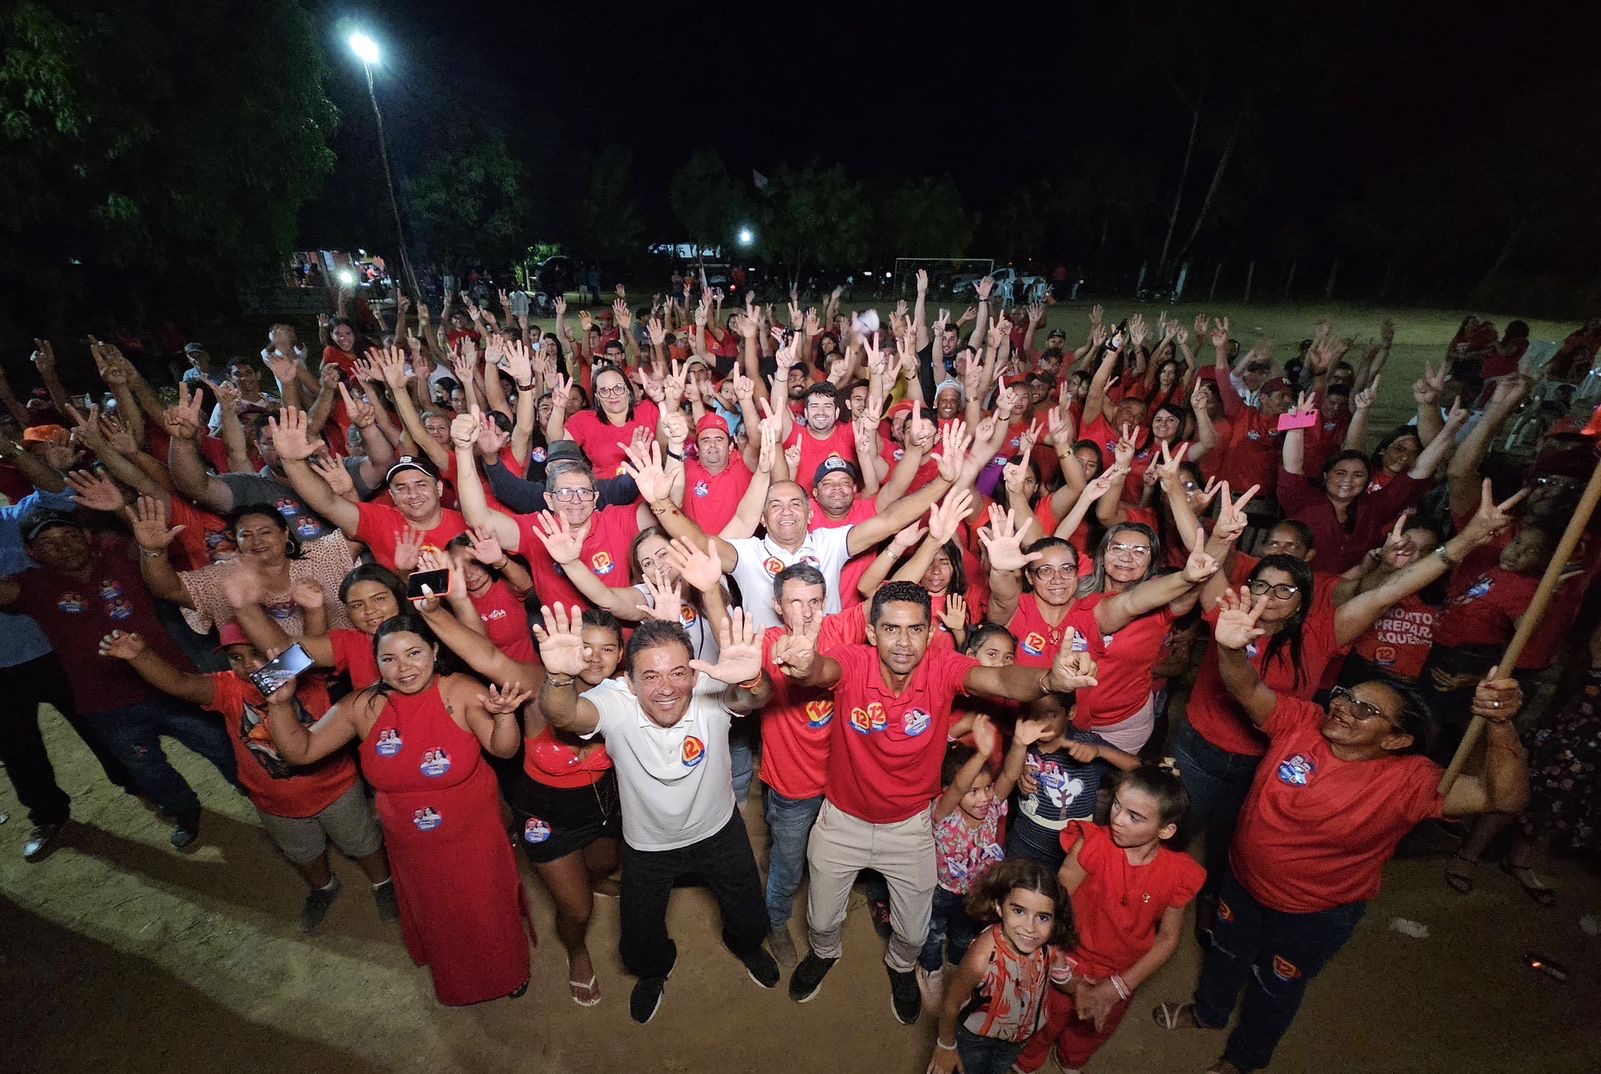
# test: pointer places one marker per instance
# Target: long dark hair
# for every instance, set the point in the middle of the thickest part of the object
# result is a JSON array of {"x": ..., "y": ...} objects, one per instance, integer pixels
[
  {"x": 372, "y": 572},
  {"x": 1289, "y": 635},
  {"x": 1045, "y": 544},
  {"x": 1030, "y": 875},
  {"x": 958, "y": 582},
  {"x": 409, "y": 622}
]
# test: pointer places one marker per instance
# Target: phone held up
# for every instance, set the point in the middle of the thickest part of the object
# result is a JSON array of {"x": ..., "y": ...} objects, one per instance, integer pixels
[
  {"x": 281, "y": 670},
  {"x": 437, "y": 582}
]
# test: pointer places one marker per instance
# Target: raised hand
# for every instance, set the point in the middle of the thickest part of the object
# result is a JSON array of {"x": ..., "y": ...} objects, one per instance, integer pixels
[
  {"x": 558, "y": 537},
  {"x": 308, "y": 595},
  {"x": 954, "y": 614},
  {"x": 1220, "y": 333},
  {"x": 241, "y": 586},
  {"x": 739, "y": 656},
  {"x": 290, "y": 435},
  {"x": 1200, "y": 566},
  {"x": 699, "y": 567},
  {"x": 985, "y": 735},
  {"x": 1231, "y": 517},
  {"x": 945, "y": 517},
  {"x": 1071, "y": 670},
  {"x": 334, "y": 474},
  {"x": 148, "y": 517},
  {"x": 645, "y": 467},
  {"x": 122, "y": 646},
  {"x": 1491, "y": 517},
  {"x": 795, "y": 651},
  {"x": 504, "y": 699},
  {"x": 1236, "y": 618},
  {"x": 97, "y": 492},
  {"x": 561, "y": 640},
  {"x": 464, "y": 429},
  {"x": 485, "y": 546},
  {"x": 1003, "y": 540},
  {"x": 408, "y": 548}
]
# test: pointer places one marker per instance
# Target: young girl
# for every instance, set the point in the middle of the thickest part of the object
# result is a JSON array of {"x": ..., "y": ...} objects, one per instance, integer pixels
[
  {"x": 967, "y": 840},
  {"x": 998, "y": 992},
  {"x": 1129, "y": 893},
  {"x": 1059, "y": 784}
]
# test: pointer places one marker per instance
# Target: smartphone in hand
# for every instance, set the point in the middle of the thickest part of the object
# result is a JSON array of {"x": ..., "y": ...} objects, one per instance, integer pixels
[
  {"x": 436, "y": 581},
  {"x": 278, "y": 672},
  {"x": 1298, "y": 421}
]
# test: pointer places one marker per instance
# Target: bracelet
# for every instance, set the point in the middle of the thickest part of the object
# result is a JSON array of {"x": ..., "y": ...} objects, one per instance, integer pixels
[
  {"x": 941, "y": 1044},
  {"x": 1443, "y": 556},
  {"x": 671, "y": 454},
  {"x": 1123, "y": 990},
  {"x": 525, "y": 387},
  {"x": 504, "y": 560},
  {"x": 1044, "y": 689},
  {"x": 751, "y": 684},
  {"x": 550, "y": 680}
]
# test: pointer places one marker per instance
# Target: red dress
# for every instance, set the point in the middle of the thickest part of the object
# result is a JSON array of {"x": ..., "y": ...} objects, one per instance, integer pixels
[{"x": 462, "y": 909}]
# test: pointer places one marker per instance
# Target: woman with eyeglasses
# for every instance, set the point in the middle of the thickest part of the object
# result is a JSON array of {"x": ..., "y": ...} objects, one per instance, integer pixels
[
  {"x": 1218, "y": 747},
  {"x": 612, "y": 422}
]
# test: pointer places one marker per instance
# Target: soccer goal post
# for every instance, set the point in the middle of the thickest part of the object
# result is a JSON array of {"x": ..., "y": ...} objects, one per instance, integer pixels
[{"x": 942, "y": 273}]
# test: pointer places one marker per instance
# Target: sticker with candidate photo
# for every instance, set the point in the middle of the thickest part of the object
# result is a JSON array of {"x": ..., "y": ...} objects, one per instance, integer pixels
[
  {"x": 435, "y": 763},
  {"x": 426, "y": 819},
  {"x": 389, "y": 742}
]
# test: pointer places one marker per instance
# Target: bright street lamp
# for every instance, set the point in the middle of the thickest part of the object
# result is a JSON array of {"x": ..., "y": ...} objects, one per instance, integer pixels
[
  {"x": 367, "y": 51},
  {"x": 365, "y": 48},
  {"x": 746, "y": 236}
]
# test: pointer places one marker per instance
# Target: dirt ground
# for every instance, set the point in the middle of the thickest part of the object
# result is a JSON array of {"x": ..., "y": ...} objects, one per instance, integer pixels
[{"x": 121, "y": 954}]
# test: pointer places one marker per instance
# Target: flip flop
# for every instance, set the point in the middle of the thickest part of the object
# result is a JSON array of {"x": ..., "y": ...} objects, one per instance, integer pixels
[
  {"x": 1531, "y": 883},
  {"x": 1460, "y": 882},
  {"x": 1175, "y": 1016},
  {"x": 587, "y": 986}
]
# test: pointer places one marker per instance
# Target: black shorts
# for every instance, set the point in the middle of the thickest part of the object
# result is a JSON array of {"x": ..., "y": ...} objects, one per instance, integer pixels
[{"x": 552, "y": 822}]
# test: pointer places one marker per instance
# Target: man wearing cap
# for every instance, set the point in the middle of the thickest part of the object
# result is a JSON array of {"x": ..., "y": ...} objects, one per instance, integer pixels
[
  {"x": 33, "y": 677},
  {"x": 77, "y": 596},
  {"x": 413, "y": 486},
  {"x": 1253, "y": 450},
  {"x": 820, "y": 435},
  {"x": 1055, "y": 353},
  {"x": 787, "y": 517},
  {"x": 303, "y": 807},
  {"x": 199, "y": 363},
  {"x": 716, "y": 479}
]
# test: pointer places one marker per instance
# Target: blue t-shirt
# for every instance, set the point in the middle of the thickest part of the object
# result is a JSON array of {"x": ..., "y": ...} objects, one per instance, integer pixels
[{"x": 1067, "y": 788}]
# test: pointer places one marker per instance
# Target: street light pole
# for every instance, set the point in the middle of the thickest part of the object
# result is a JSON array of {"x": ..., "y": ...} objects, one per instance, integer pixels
[{"x": 366, "y": 49}]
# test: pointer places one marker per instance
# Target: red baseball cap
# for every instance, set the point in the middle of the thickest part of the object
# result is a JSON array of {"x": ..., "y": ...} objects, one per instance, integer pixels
[
  {"x": 712, "y": 423},
  {"x": 230, "y": 633}
]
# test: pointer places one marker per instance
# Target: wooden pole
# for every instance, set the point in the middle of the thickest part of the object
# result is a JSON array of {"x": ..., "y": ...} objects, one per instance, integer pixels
[
  {"x": 1250, "y": 271},
  {"x": 1531, "y": 618}
]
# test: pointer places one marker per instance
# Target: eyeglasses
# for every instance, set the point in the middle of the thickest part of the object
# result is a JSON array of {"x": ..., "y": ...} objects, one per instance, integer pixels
[
  {"x": 612, "y": 389},
  {"x": 1066, "y": 570},
  {"x": 572, "y": 495},
  {"x": 1283, "y": 590},
  {"x": 1365, "y": 709},
  {"x": 1138, "y": 551}
]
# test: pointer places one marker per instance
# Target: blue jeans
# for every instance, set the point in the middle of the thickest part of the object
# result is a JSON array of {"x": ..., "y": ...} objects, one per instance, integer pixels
[
  {"x": 1036, "y": 842},
  {"x": 986, "y": 1055},
  {"x": 789, "y": 822},
  {"x": 134, "y": 735},
  {"x": 744, "y": 767},
  {"x": 1272, "y": 955},
  {"x": 1218, "y": 782},
  {"x": 950, "y": 931}
]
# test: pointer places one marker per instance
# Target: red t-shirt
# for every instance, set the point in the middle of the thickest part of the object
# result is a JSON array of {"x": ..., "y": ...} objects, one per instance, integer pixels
[
  {"x": 382, "y": 523},
  {"x": 1400, "y": 641},
  {"x": 76, "y": 613},
  {"x": 275, "y": 786},
  {"x": 861, "y": 510},
  {"x": 796, "y": 724},
  {"x": 1119, "y": 904},
  {"x": 353, "y": 656},
  {"x": 1212, "y": 712},
  {"x": 1038, "y": 641},
  {"x": 1105, "y": 437},
  {"x": 841, "y": 442},
  {"x": 1251, "y": 453},
  {"x": 1316, "y": 831},
  {"x": 506, "y": 622},
  {"x": 710, "y": 500},
  {"x": 605, "y": 552},
  {"x": 893, "y": 452},
  {"x": 206, "y": 537},
  {"x": 885, "y": 756},
  {"x": 1122, "y": 668},
  {"x": 600, "y": 439},
  {"x": 1339, "y": 549},
  {"x": 1483, "y": 607}
]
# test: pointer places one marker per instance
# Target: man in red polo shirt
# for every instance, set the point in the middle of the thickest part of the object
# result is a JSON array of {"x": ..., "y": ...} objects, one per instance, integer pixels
[
  {"x": 716, "y": 480},
  {"x": 822, "y": 435},
  {"x": 892, "y": 712},
  {"x": 1333, "y": 797},
  {"x": 607, "y": 533},
  {"x": 413, "y": 486}
]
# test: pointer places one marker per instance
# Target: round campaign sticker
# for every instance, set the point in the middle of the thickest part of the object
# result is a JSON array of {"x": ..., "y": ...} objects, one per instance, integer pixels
[
  {"x": 1034, "y": 643},
  {"x": 773, "y": 565},
  {"x": 535, "y": 830},
  {"x": 426, "y": 819},
  {"x": 435, "y": 763},
  {"x": 389, "y": 742},
  {"x": 915, "y": 721},
  {"x": 694, "y": 751}
]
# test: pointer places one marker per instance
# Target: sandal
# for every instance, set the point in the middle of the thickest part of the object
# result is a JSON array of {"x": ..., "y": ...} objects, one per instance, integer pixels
[
  {"x": 1459, "y": 880},
  {"x": 591, "y": 990},
  {"x": 1176, "y": 1016},
  {"x": 1532, "y": 884}
]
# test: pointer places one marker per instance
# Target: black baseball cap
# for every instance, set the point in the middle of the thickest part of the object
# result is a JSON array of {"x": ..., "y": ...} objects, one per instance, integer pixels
[
  {"x": 410, "y": 462},
  {"x": 1056, "y": 333},
  {"x": 834, "y": 464},
  {"x": 38, "y": 521}
]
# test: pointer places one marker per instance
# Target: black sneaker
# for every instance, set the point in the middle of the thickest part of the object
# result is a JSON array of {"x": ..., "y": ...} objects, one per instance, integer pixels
[
  {"x": 647, "y": 998},
  {"x": 186, "y": 831},
  {"x": 383, "y": 895},
  {"x": 762, "y": 969},
  {"x": 41, "y": 841},
  {"x": 878, "y": 910},
  {"x": 318, "y": 901},
  {"x": 905, "y": 998},
  {"x": 808, "y": 977}
]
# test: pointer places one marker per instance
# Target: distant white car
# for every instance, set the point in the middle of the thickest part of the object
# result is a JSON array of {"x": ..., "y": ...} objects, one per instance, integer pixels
[{"x": 1010, "y": 288}]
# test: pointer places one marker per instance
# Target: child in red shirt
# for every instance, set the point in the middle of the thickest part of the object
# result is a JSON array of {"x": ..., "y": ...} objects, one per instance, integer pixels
[{"x": 1129, "y": 893}]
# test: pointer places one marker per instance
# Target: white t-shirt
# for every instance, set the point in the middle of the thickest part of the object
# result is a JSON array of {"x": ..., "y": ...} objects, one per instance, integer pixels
[
  {"x": 761, "y": 559},
  {"x": 676, "y": 783}
]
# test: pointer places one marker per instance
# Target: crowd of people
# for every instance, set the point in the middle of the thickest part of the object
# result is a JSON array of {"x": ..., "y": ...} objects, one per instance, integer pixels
[{"x": 931, "y": 580}]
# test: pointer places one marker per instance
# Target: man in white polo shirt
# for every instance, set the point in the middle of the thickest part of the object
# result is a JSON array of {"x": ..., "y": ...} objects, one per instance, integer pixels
[
  {"x": 666, "y": 729},
  {"x": 756, "y": 561}
]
